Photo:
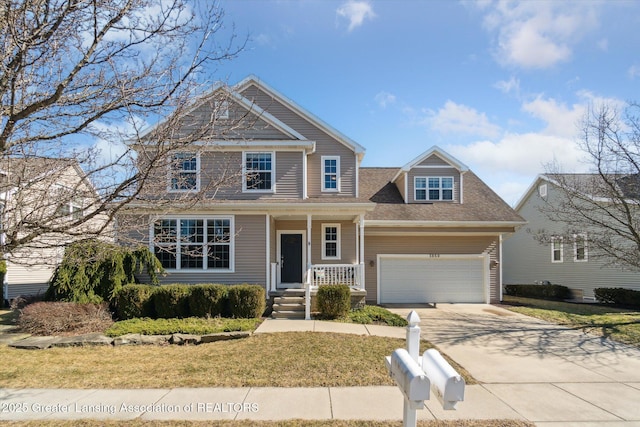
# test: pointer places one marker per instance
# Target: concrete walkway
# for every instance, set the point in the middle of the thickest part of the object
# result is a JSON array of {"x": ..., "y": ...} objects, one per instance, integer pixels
[{"x": 530, "y": 370}]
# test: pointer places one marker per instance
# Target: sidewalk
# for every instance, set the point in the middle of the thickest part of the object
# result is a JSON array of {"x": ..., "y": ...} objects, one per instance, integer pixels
[{"x": 593, "y": 400}]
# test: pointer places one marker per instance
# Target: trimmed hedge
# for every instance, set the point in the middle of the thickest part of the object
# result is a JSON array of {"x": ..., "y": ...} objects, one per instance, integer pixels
[
  {"x": 182, "y": 301},
  {"x": 618, "y": 296},
  {"x": 171, "y": 301},
  {"x": 3, "y": 271},
  {"x": 334, "y": 300},
  {"x": 135, "y": 301},
  {"x": 554, "y": 292},
  {"x": 209, "y": 301},
  {"x": 246, "y": 301}
]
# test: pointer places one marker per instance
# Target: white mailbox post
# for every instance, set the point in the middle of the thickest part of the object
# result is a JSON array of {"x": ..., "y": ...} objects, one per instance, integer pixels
[{"x": 416, "y": 375}]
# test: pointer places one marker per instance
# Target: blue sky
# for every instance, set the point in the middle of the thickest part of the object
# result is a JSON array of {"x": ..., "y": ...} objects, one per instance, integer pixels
[{"x": 502, "y": 86}]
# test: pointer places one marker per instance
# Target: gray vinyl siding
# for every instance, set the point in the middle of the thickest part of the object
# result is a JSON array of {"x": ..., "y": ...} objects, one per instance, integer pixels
[
  {"x": 400, "y": 183},
  {"x": 241, "y": 124},
  {"x": 249, "y": 257},
  {"x": 325, "y": 145},
  {"x": 433, "y": 160},
  {"x": 526, "y": 261},
  {"x": 434, "y": 172},
  {"x": 443, "y": 245},
  {"x": 347, "y": 243},
  {"x": 287, "y": 180}
]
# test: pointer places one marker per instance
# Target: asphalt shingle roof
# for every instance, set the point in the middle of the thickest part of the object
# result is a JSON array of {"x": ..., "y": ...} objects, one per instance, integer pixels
[{"x": 480, "y": 203}]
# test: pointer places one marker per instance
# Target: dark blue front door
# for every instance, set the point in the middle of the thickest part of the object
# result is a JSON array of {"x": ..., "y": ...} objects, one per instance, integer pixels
[{"x": 291, "y": 258}]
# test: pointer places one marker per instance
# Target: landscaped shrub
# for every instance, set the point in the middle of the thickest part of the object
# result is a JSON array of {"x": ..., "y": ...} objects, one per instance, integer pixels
[
  {"x": 172, "y": 301},
  {"x": 135, "y": 300},
  {"x": 554, "y": 292},
  {"x": 94, "y": 271},
  {"x": 190, "y": 325},
  {"x": 371, "y": 314},
  {"x": 334, "y": 300},
  {"x": 618, "y": 296},
  {"x": 209, "y": 301},
  {"x": 56, "y": 318},
  {"x": 246, "y": 301}
]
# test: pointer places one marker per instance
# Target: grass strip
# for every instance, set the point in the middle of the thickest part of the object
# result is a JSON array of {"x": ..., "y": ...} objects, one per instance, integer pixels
[
  {"x": 290, "y": 359},
  {"x": 622, "y": 325}
]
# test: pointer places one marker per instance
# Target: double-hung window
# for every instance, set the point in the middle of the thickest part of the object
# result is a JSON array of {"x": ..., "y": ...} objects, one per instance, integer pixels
[
  {"x": 557, "y": 249},
  {"x": 330, "y": 241},
  {"x": 184, "y": 172},
  {"x": 580, "y": 253},
  {"x": 194, "y": 243},
  {"x": 69, "y": 207},
  {"x": 433, "y": 188},
  {"x": 330, "y": 173},
  {"x": 259, "y": 170}
]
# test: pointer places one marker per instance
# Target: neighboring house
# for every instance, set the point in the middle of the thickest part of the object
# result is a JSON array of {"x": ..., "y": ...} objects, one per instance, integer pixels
[
  {"x": 302, "y": 209},
  {"x": 39, "y": 194},
  {"x": 564, "y": 259}
]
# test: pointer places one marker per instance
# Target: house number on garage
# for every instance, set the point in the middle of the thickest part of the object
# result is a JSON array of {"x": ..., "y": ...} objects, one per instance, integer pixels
[{"x": 434, "y": 255}]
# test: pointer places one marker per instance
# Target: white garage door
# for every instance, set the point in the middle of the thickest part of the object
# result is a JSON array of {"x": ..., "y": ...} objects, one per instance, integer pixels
[{"x": 422, "y": 279}]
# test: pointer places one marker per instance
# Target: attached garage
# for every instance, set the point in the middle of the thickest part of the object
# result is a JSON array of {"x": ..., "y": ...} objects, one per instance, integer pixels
[{"x": 433, "y": 278}]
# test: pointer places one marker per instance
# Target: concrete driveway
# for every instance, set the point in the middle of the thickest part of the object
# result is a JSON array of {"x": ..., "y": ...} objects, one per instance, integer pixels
[{"x": 530, "y": 364}]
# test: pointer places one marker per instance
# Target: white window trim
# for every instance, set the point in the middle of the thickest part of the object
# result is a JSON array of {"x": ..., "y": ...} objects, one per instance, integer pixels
[
  {"x": 324, "y": 173},
  {"x": 440, "y": 189},
  {"x": 221, "y": 110},
  {"x": 338, "y": 242},
  {"x": 178, "y": 269},
  {"x": 542, "y": 190},
  {"x": 575, "y": 247},
  {"x": 170, "y": 171},
  {"x": 244, "y": 172},
  {"x": 553, "y": 241}
]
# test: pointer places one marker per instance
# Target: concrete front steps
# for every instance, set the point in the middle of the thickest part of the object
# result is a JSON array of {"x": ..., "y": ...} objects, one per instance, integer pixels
[{"x": 288, "y": 304}]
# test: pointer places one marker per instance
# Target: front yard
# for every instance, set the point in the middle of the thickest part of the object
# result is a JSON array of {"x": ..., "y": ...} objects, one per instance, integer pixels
[{"x": 622, "y": 325}]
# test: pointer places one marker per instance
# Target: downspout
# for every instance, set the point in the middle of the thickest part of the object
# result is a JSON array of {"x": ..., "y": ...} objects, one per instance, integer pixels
[
  {"x": 307, "y": 285},
  {"x": 500, "y": 265}
]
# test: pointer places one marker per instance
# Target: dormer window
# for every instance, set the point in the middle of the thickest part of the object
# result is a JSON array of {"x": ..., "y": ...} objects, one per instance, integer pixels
[
  {"x": 221, "y": 109},
  {"x": 330, "y": 173},
  {"x": 183, "y": 172},
  {"x": 433, "y": 188}
]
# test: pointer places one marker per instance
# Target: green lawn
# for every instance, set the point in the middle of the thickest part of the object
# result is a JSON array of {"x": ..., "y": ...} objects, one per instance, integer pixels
[{"x": 617, "y": 324}]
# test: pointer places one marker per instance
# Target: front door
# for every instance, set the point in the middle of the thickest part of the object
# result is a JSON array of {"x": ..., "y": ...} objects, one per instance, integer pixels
[{"x": 291, "y": 258}]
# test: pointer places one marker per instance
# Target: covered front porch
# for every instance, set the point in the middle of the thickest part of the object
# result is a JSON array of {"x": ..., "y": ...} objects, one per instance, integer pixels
[{"x": 311, "y": 250}]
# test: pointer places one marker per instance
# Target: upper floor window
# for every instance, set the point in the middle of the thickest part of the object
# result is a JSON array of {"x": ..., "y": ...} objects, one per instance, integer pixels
[
  {"x": 184, "y": 172},
  {"x": 330, "y": 173},
  {"x": 221, "y": 109},
  {"x": 580, "y": 253},
  {"x": 69, "y": 207},
  {"x": 556, "y": 249},
  {"x": 199, "y": 243},
  {"x": 433, "y": 188},
  {"x": 259, "y": 169},
  {"x": 330, "y": 241}
]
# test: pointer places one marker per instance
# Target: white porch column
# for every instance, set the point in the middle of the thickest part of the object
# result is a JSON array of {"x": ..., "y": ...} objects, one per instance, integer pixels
[
  {"x": 361, "y": 260},
  {"x": 308, "y": 241},
  {"x": 268, "y": 253}
]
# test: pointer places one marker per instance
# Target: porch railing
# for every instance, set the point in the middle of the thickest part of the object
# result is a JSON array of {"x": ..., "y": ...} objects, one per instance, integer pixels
[{"x": 334, "y": 274}]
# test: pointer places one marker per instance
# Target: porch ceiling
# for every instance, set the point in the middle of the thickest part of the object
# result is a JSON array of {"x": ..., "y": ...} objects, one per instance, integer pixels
[{"x": 338, "y": 216}]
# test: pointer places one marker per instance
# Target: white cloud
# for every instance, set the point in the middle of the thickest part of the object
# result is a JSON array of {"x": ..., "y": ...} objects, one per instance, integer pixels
[
  {"x": 356, "y": 12},
  {"x": 385, "y": 99},
  {"x": 521, "y": 154},
  {"x": 509, "y": 86},
  {"x": 634, "y": 71},
  {"x": 538, "y": 34},
  {"x": 458, "y": 118},
  {"x": 561, "y": 120}
]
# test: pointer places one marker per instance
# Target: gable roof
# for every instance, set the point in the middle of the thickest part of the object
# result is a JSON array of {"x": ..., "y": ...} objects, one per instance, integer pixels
[
  {"x": 628, "y": 185},
  {"x": 482, "y": 206},
  {"x": 340, "y": 137},
  {"x": 437, "y": 151}
]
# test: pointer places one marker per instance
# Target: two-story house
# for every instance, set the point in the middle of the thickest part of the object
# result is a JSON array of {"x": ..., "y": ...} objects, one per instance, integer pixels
[
  {"x": 283, "y": 201},
  {"x": 43, "y": 203},
  {"x": 566, "y": 256}
]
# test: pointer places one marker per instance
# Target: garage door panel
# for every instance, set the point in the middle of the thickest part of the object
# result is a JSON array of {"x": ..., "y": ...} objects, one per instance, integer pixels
[{"x": 420, "y": 280}]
